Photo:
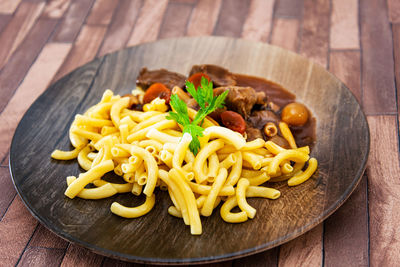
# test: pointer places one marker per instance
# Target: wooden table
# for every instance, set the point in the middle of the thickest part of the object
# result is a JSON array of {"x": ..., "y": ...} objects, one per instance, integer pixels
[{"x": 359, "y": 41}]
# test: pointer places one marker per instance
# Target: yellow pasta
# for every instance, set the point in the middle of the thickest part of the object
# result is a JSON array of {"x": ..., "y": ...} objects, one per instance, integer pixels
[
  {"x": 149, "y": 151},
  {"x": 135, "y": 212}
]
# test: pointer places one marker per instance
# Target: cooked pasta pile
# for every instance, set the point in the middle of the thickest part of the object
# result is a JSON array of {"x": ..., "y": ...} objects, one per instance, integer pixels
[{"x": 148, "y": 151}]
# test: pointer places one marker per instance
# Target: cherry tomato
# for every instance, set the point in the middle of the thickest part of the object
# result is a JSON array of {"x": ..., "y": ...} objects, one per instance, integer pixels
[
  {"x": 295, "y": 114},
  {"x": 233, "y": 121},
  {"x": 196, "y": 79},
  {"x": 157, "y": 90}
]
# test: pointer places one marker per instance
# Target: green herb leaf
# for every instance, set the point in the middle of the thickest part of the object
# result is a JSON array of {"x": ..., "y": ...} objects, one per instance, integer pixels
[{"x": 204, "y": 96}]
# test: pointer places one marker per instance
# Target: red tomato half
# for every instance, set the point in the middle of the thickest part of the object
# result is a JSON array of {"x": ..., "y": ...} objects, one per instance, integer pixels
[
  {"x": 233, "y": 121},
  {"x": 196, "y": 79},
  {"x": 157, "y": 90}
]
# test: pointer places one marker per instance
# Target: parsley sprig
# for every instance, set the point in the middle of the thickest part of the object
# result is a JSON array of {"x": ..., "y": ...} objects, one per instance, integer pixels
[{"x": 208, "y": 103}]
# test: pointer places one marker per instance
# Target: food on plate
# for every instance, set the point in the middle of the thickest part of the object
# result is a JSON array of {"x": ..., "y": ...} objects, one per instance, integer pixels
[{"x": 205, "y": 145}]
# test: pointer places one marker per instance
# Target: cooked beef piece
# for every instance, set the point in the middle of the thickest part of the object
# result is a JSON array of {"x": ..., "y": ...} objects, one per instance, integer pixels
[
  {"x": 241, "y": 99},
  {"x": 280, "y": 141},
  {"x": 219, "y": 76},
  {"x": 253, "y": 133},
  {"x": 259, "y": 118},
  {"x": 168, "y": 78}
]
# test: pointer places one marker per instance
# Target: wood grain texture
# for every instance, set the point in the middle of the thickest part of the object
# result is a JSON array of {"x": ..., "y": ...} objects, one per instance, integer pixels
[
  {"x": 102, "y": 12},
  {"x": 383, "y": 191},
  {"x": 346, "y": 66},
  {"x": 20, "y": 62},
  {"x": 84, "y": 50},
  {"x": 267, "y": 258},
  {"x": 4, "y": 20},
  {"x": 78, "y": 256},
  {"x": 72, "y": 22},
  {"x": 315, "y": 31},
  {"x": 308, "y": 203},
  {"x": 344, "y": 25},
  {"x": 56, "y": 8},
  {"x": 109, "y": 262},
  {"x": 306, "y": 250},
  {"x": 204, "y": 17},
  {"x": 7, "y": 191},
  {"x": 285, "y": 33},
  {"x": 16, "y": 228},
  {"x": 149, "y": 22},
  {"x": 232, "y": 17},
  {"x": 120, "y": 29},
  {"x": 41, "y": 257},
  {"x": 377, "y": 61},
  {"x": 43, "y": 238},
  {"x": 18, "y": 28},
  {"x": 394, "y": 11},
  {"x": 35, "y": 82},
  {"x": 289, "y": 8},
  {"x": 175, "y": 20},
  {"x": 396, "y": 51},
  {"x": 9, "y": 6},
  {"x": 346, "y": 231},
  {"x": 257, "y": 25}
]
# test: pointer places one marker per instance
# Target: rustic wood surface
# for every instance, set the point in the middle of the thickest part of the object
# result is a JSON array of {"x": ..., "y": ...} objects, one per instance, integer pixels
[{"x": 359, "y": 41}]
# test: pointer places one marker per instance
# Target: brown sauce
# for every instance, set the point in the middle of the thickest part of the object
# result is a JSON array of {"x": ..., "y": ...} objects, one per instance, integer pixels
[{"x": 304, "y": 135}]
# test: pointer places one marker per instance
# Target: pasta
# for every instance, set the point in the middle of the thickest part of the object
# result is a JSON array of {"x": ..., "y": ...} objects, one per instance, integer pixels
[{"x": 149, "y": 151}]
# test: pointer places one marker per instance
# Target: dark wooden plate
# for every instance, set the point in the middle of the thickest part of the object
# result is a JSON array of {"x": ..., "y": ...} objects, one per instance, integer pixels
[{"x": 342, "y": 149}]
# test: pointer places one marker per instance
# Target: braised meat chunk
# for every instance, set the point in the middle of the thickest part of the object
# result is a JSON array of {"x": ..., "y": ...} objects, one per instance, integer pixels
[
  {"x": 241, "y": 99},
  {"x": 219, "y": 76},
  {"x": 168, "y": 78},
  {"x": 259, "y": 118}
]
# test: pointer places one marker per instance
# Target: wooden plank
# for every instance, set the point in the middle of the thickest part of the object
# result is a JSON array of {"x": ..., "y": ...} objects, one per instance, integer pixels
[
  {"x": 346, "y": 66},
  {"x": 7, "y": 191},
  {"x": 344, "y": 25},
  {"x": 285, "y": 33},
  {"x": 5, "y": 161},
  {"x": 259, "y": 20},
  {"x": 78, "y": 256},
  {"x": 396, "y": 50},
  {"x": 315, "y": 33},
  {"x": 35, "y": 82},
  {"x": 18, "y": 65},
  {"x": 72, "y": 22},
  {"x": 4, "y": 20},
  {"x": 383, "y": 191},
  {"x": 305, "y": 250},
  {"x": 84, "y": 50},
  {"x": 9, "y": 6},
  {"x": 16, "y": 228},
  {"x": 379, "y": 95},
  {"x": 102, "y": 12},
  {"x": 41, "y": 257},
  {"x": 394, "y": 11},
  {"x": 175, "y": 20},
  {"x": 121, "y": 26},
  {"x": 149, "y": 22},
  {"x": 267, "y": 258},
  {"x": 232, "y": 17},
  {"x": 204, "y": 17},
  {"x": 43, "y": 238},
  {"x": 346, "y": 231},
  {"x": 19, "y": 26},
  {"x": 56, "y": 8},
  {"x": 289, "y": 9}
]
